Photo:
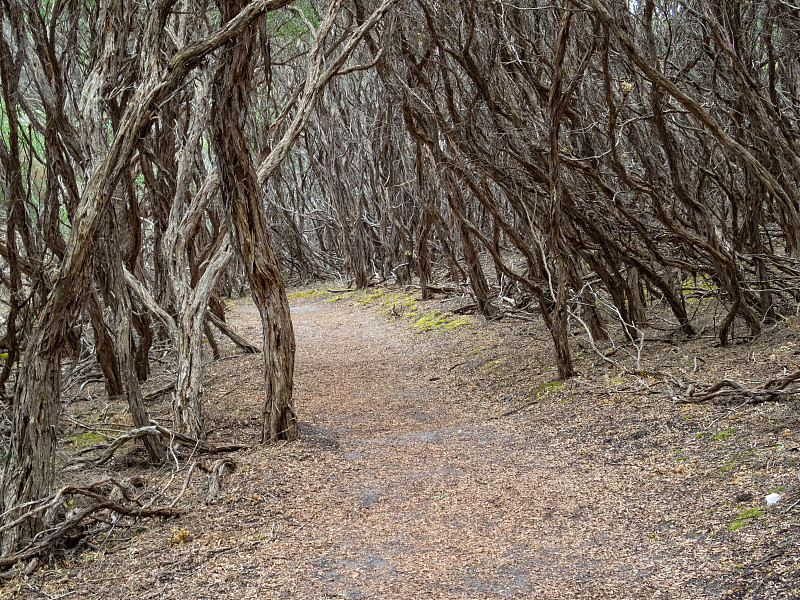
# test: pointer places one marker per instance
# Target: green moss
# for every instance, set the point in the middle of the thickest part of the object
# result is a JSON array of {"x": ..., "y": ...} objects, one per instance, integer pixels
[
  {"x": 775, "y": 490},
  {"x": 397, "y": 305},
  {"x": 390, "y": 304},
  {"x": 457, "y": 322},
  {"x": 741, "y": 519},
  {"x": 304, "y": 294},
  {"x": 724, "y": 434},
  {"x": 549, "y": 386},
  {"x": 84, "y": 440},
  {"x": 444, "y": 321},
  {"x": 370, "y": 296}
]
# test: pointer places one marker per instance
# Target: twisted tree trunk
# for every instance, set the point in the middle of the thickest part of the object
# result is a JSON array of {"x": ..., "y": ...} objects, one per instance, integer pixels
[
  {"x": 29, "y": 470},
  {"x": 231, "y": 92}
]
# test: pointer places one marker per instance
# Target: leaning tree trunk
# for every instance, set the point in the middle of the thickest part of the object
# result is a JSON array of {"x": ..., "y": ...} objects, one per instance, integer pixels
[
  {"x": 247, "y": 225},
  {"x": 127, "y": 362}
]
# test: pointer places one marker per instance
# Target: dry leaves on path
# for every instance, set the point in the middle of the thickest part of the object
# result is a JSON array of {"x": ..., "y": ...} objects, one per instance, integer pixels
[{"x": 409, "y": 482}]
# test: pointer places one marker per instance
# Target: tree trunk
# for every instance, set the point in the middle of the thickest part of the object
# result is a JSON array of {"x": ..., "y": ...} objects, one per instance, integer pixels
[
  {"x": 28, "y": 473},
  {"x": 127, "y": 363},
  {"x": 556, "y": 106},
  {"x": 105, "y": 349},
  {"x": 29, "y": 470},
  {"x": 477, "y": 278},
  {"x": 243, "y": 205}
]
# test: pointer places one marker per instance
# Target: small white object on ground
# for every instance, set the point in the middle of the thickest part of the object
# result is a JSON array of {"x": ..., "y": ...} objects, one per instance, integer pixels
[{"x": 772, "y": 499}]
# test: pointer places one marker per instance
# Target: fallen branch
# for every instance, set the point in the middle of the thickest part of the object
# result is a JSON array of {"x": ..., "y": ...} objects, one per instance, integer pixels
[
  {"x": 155, "y": 394},
  {"x": 231, "y": 334},
  {"x": 158, "y": 430},
  {"x": 47, "y": 539},
  {"x": 770, "y": 390},
  {"x": 463, "y": 310}
]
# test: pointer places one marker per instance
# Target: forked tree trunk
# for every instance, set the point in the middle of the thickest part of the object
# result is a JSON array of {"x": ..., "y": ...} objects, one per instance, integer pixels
[
  {"x": 187, "y": 402},
  {"x": 247, "y": 224}
]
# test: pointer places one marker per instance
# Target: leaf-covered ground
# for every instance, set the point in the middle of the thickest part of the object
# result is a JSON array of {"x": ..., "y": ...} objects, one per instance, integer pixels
[{"x": 440, "y": 459}]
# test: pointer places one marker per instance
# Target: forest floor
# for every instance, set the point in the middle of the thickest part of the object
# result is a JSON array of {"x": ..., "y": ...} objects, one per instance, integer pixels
[{"x": 439, "y": 458}]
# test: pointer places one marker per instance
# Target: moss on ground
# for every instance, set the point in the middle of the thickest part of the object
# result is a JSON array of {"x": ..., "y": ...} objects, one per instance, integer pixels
[
  {"x": 741, "y": 519},
  {"x": 439, "y": 320},
  {"x": 390, "y": 304},
  {"x": 306, "y": 294},
  {"x": 725, "y": 433},
  {"x": 549, "y": 386},
  {"x": 84, "y": 440},
  {"x": 406, "y": 305}
]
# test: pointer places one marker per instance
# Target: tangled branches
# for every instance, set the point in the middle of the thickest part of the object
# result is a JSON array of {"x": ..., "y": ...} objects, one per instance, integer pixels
[{"x": 105, "y": 502}]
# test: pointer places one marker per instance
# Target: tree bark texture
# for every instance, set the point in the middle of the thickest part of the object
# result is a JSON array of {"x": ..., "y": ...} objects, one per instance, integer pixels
[
  {"x": 241, "y": 195},
  {"x": 28, "y": 473}
]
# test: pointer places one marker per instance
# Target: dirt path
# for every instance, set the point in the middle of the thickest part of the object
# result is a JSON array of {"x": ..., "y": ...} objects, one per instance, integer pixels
[
  {"x": 396, "y": 492},
  {"x": 409, "y": 484}
]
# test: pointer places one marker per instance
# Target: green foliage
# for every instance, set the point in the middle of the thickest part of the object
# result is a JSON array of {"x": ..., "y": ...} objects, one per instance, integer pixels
[{"x": 288, "y": 26}]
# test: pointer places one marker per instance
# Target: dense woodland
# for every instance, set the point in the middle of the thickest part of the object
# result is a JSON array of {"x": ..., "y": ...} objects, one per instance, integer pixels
[{"x": 578, "y": 160}]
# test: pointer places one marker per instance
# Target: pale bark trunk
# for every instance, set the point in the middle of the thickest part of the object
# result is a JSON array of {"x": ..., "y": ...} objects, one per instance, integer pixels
[{"x": 187, "y": 402}]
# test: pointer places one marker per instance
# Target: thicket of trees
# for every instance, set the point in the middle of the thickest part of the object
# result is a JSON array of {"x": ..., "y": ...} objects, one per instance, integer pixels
[{"x": 576, "y": 158}]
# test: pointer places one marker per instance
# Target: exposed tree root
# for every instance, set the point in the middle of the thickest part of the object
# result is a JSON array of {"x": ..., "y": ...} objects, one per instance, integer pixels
[
  {"x": 770, "y": 390},
  {"x": 98, "y": 493},
  {"x": 157, "y": 430}
]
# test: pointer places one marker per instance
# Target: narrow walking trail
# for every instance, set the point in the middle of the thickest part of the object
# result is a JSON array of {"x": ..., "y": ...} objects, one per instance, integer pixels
[
  {"x": 407, "y": 485},
  {"x": 398, "y": 491}
]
